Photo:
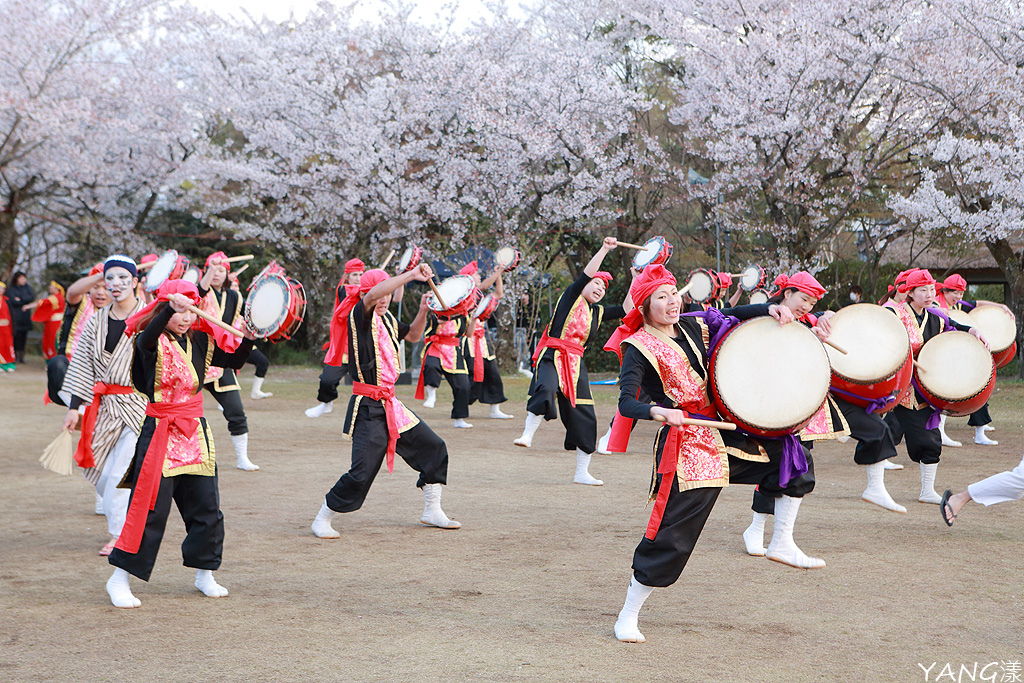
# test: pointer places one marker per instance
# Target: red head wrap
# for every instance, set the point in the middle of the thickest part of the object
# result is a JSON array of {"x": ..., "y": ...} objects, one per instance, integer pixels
[
  {"x": 97, "y": 269},
  {"x": 148, "y": 258},
  {"x": 725, "y": 279},
  {"x": 917, "y": 278},
  {"x": 644, "y": 284},
  {"x": 956, "y": 282},
  {"x": 354, "y": 265},
  {"x": 338, "y": 345},
  {"x": 603, "y": 275},
  {"x": 803, "y": 282},
  {"x": 469, "y": 269},
  {"x": 222, "y": 256}
]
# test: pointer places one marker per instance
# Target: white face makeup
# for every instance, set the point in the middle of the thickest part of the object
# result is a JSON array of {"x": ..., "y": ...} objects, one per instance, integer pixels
[{"x": 120, "y": 283}]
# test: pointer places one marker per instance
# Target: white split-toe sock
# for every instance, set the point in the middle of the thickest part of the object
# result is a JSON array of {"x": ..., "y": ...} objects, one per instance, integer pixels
[
  {"x": 582, "y": 470},
  {"x": 257, "y": 389},
  {"x": 753, "y": 537},
  {"x": 876, "y": 492},
  {"x": 461, "y": 423},
  {"x": 431, "y": 397},
  {"x": 946, "y": 440},
  {"x": 981, "y": 438},
  {"x": 120, "y": 592},
  {"x": 320, "y": 409},
  {"x": 241, "y": 443},
  {"x": 321, "y": 526},
  {"x": 98, "y": 505},
  {"x": 928, "y": 494},
  {"x": 627, "y": 630},
  {"x": 433, "y": 515},
  {"x": 783, "y": 548},
  {"x": 533, "y": 422},
  {"x": 498, "y": 415},
  {"x": 602, "y": 443},
  {"x": 989, "y": 428},
  {"x": 208, "y": 585},
  {"x": 890, "y": 465}
]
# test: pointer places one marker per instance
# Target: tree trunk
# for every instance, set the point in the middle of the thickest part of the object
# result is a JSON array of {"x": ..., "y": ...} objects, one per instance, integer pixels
[
  {"x": 8, "y": 244},
  {"x": 1012, "y": 265}
]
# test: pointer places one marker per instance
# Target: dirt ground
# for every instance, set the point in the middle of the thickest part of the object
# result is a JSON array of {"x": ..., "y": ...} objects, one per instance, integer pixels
[{"x": 527, "y": 590}]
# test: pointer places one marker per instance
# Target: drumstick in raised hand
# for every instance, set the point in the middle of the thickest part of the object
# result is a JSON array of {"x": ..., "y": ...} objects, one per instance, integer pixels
[
  {"x": 387, "y": 260},
  {"x": 728, "y": 426},
  {"x": 215, "y": 321},
  {"x": 437, "y": 294},
  {"x": 627, "y": 245},
  {"x": 689, "y": 285},
  {"x": 241, "y": 270},
  {"x": 246, "y": 257}
]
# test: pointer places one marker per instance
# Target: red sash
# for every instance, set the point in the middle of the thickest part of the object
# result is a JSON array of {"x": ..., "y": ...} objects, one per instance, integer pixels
[
  {"x": 182, "y": 416},
  {"x": 445, "y": 339},
  {"x": 382, "y": 394},
  {"x": 478, "y": 353},
  {"x": 564, "y": 364},
  {"x": 83, "y": 454}
]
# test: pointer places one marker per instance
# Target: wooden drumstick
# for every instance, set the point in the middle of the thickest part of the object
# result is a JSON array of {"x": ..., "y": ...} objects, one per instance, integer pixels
[
  {"x": 919, "y": 367},
  {"x": 216, "y": 321},
  {"x": 627, "y": 245},
  {"x": 241, "y": 270},
  {"x": 728, "y": 426},
  {"x": 838, "y": 348},
  {"x": 387, "y": 260},
  {"x": 147, "y": 264},
  {"x": 437, "y": 294},
  {"x": 246, "y": 257},
  {"x": 686, "y": 288}
]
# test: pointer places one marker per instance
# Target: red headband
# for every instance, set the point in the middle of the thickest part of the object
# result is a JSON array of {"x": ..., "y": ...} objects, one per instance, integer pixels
[
  {"x": 643, "y": 286},
  {"x": 955, "y": 282},
  {"x": 603, "y": 275},
  {"x": 917, "y": 278},
  {"x": 222, "y": 256},
  {"x": 469, "y": 269},
  {"x": 163, "y": 294},
  {"x": 803, "y": 282},
  {"x": 725, "y": 279},
  {"x": 354, "y": 266},
  {"x": 97, "y": 269}
]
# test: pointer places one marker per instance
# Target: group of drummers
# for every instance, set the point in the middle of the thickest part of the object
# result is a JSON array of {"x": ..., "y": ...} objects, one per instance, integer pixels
[{"x": 742, "y": 391}]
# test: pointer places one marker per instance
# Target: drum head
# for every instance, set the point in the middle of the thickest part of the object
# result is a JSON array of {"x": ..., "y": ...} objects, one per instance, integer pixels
[
  {"x": 506, "y": 256},
  {"x": 453, "y": 290},
  {"x": 161, "y": 270},
  {"x": 267, "y": 305},
  {"x": 403, "y": 263},
  {"x": 703, "y": 286},
  {"x": 750, "y": 278},
  {"x": 962, "y": 317},
  {"x": 954, "y": 365},
  {"x": 875, "y": 340},
  {"x": 760, "y": 296},
  {"x": 649, "y": 254},
  {"x": 192, "y": 275},
  {"x": 997, "y": 326},
  {"x": 482, "y": 306},
  {"x": 771, "y": 375}
]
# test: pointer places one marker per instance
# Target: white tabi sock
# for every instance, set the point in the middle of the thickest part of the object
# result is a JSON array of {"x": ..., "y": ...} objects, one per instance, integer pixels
[
  {"x": 433, "y": 515},
  {"x": 257, "y": 389},
  {"x": 431, "y": 397},
  {"x": 120, "y": 592},
  {"x": 582, "y": 470},
  {"x": 462, "y": 424},
  {"x": 946, "y": 441},
  {"x": 602, "y": 443},
  {"x": 208, "y": 585},
  {"x": 890, "y": 465},
  {"x": 626, "y": 628},
  {"x": 783, "y": 548},
  {"x": 320, "y": 409},
  {"x": 533, "y": 422},
  {"x": 241, "y": 443},
  {"x": 321, "y": 526},
  {"x": 981, "y": 438},
  {"x": 928, "y": 494},
  {"x": 875, "y": 492},
  {"x": 753, "y": 537},
  {"x": 498, "y": 415}
]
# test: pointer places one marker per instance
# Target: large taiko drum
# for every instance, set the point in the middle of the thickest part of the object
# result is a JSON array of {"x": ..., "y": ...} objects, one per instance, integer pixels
[
  {"x": 999, "y": 329},
  {"x": 769, "y": 379},
  {"x": 759, "y": 296},
  {"x": 275, "y": 307},
  {"x": 486, "y": 307},
  {"x": 410, "y": 259},
  {"x": 751, "y": 278},
  {"x": 656, "y": 250},
  {"x": 272, "y": 268},
  {"x": 508, "y": 258},
  {"x": 955, "y": 373},
  {"x": 193, "y": 275},
  {"x": 703, "y": 285},
  {"x": 459, "y": 294},
  {"x": 169, "y": 266},
  {"x": 878, "y": 366}
]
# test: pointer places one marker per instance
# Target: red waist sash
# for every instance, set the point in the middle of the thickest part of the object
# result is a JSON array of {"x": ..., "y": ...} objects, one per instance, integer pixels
[
  {"x": 83, "y": 454},
  {"x": 182, "y": 416},
  {"x": 382, "y": 394},
  {"x": 565, "y": 375},
  {"x": 444, "y": 339},
  {"x": 478, "y": 353}
]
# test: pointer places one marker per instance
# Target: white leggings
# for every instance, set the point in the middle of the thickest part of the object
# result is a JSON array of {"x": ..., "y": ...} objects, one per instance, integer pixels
[
  {"x": 999, "y": 488},
  {"x": 115, "y": 500}
]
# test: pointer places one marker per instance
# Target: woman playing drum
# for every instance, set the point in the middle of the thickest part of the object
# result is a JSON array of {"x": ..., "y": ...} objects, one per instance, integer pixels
[
  {"x": 487, "y": 386},
  {"x": 560, "y": 383},
  {"x": 337, "y": 349},
  {"x": 666, "y": 357},
  {"x": 912, "y": 418}
]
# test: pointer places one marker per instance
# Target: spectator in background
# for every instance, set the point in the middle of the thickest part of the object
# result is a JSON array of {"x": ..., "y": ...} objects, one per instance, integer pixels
[
  {"x": 20, "y": 295},
  {"x": 856, "y": 296}
]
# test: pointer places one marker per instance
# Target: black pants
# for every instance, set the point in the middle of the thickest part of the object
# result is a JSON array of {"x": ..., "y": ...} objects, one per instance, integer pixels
[
  {"x": 980, "y": 417},
  {"x": 547, "y": 399},
  {"x": 420, "y": 447},
  {"x": 262, "y": 363},
  {"x": 491, "y": 390},
  {"x": 198, "y": 501},
  {"x": 234, "y": 413},
  {"x": 659, "y": 562},
  {"x": 20, "y": 339},
  {"x": 874, "y": 439},
  {"x": 923, "y": 445},
  {"x": 330, "y": 378},
  {"x": 458, "y": 381}
]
